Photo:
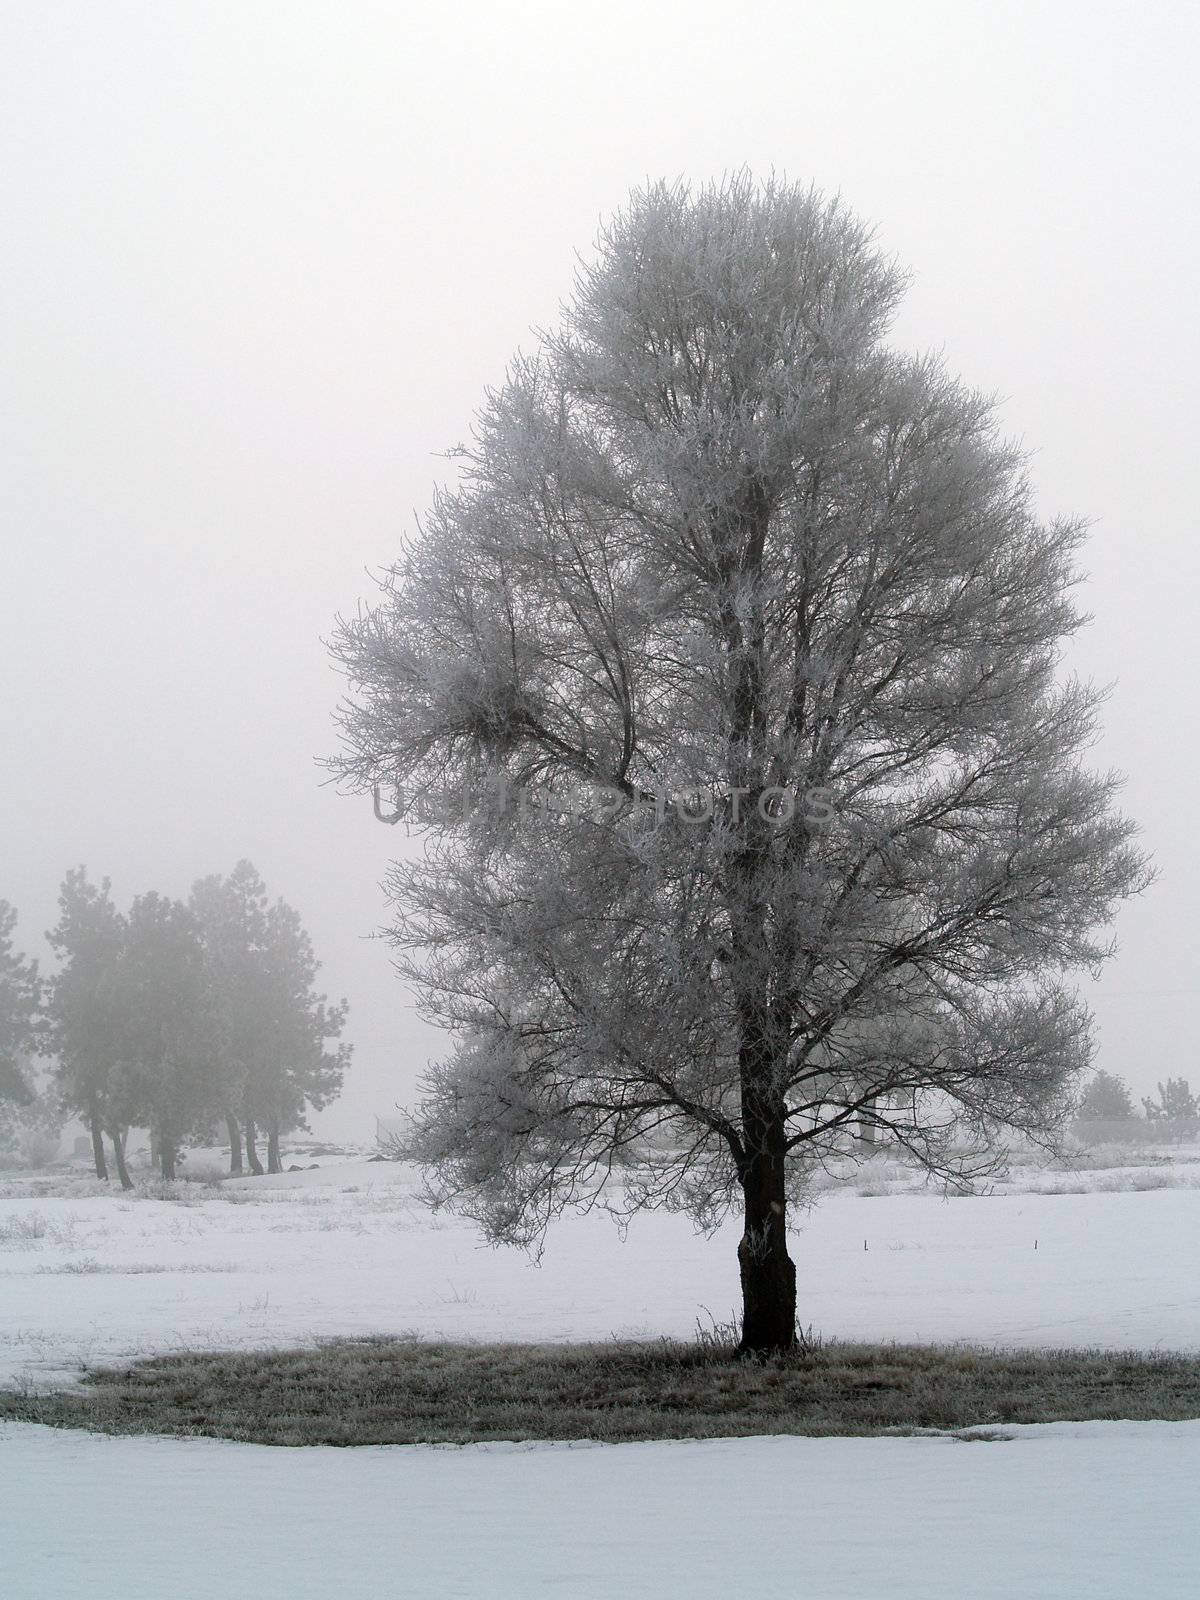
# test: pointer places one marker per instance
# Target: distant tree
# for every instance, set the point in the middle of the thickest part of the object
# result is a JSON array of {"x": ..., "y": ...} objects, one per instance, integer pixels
[
  {"x": 1175, "y": 1106},
  {"x": 31, "y": 1131},
  {"x": 20, "y": 999},
  {"x": 754, "y": 621},
  {"x": 293, "y": 1069},
  {"x": 1106, "y": 1099},
  {"x": 164, "y": 1074},
  {"x": 231, "y": 915},
  {"x": 270, "y": 1025},
  {"x": 83, "y": 1023}
]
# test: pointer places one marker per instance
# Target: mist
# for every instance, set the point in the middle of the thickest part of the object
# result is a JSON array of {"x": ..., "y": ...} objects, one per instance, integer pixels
[{"x": 260, "y": 263}]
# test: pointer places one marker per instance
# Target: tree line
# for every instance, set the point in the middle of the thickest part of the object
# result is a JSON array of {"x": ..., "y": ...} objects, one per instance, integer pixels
[{"x": 187, "y": 1018}]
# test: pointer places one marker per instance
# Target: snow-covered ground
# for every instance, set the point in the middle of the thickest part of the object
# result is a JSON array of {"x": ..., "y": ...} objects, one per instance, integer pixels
[
  {"x": 1090, "y": 1510},
  {"x": 349, "y": 1249},
  {"x": 1069, "y": 1510}
]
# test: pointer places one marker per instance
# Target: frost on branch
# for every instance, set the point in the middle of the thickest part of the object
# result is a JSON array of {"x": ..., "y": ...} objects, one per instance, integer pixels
[{"x": 717, "y": 546}]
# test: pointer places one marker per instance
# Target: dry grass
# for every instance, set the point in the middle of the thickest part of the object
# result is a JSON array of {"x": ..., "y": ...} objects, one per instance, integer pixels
[
  {"x": 31, "y": 1230},
  {"x": 407, "y": 1391}
]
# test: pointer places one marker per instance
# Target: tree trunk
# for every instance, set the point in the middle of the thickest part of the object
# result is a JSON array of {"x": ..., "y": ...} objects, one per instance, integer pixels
[
  {"x": 168, "y": 1154},
  {"x": 252, "y": 1160},
  {"x": 274, "y": 1164},
  {"x": 154, "y": 1154},
  {"x": 97, "y": 1140},
  {"x": 118, "y": 1143},
  {"x": 767, "y": 1271},
  {"x": 235, "y": 1144},
  {"x": 768, "y": 1277}
]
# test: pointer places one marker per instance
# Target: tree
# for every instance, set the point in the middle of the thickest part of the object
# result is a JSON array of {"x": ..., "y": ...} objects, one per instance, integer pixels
[
  {"x": 270, "y": 1027},
  {"x": 20, "y": 1000},
  {"x": 164, "y": 1072},
  {"x": 1176, "y": 1106},
  {"x": 31, "y": 1130},
  {"x": 291, "y": 1068},
  {"x": 740, "y": 635},
  {"x": 231, "y": 915},
  {"x": 1106, "y": 1099},
  {"x": 82, "y": 1014}
]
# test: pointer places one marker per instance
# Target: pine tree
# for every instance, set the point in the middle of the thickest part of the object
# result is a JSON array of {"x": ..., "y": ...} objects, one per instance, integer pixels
[
  {"x": 1106, "y": 1099},
  {"x": 20, "y": 998},
  {"x": 270, "y": 1025},
  {"x": 1176, "y": 1106},
  {"x": 164, "y": 1072},
  {"x": 83, "y": 1023}
]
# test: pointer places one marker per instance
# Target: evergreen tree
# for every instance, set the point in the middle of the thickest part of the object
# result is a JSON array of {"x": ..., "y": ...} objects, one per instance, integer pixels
[
  {"x": 231, "y": 915},
  {"x": 20, "y": 998},
  {"x": 270, "y": 1026},
  {"x": 1106, "y": 1099},
  {"x": 293, "y": 1069},
  {"x": 83, "y": 1021},
  {"x": 1176, "y": 1105},
  {"x": 163, "y": 1076}
]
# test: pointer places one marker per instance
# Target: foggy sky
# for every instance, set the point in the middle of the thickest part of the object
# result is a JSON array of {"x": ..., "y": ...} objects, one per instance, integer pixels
[{"x": 259, "y": 261}]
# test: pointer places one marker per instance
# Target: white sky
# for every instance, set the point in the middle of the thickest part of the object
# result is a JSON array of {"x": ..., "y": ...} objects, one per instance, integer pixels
[{"x": 260, "y": 259}]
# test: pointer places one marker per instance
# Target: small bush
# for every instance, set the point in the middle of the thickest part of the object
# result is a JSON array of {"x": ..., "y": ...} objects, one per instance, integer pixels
[
  {"x": 26, "y": 1229},
  {"x": 31, "y": 1228}
]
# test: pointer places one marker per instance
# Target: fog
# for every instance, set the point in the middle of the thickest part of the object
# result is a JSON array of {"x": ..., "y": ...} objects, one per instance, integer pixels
[{"x": 260, "y": 260}]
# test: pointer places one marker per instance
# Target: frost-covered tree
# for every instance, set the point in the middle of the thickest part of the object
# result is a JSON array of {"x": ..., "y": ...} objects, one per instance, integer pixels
[
  {"x": 20, "y": 1001},
  {"x": 747, "y": 625}
]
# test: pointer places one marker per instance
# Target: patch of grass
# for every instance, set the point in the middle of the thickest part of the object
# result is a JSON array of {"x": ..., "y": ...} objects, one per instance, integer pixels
[
  {"x": 405, "y": 1391},
  {"x": 88, "y": 1265}
]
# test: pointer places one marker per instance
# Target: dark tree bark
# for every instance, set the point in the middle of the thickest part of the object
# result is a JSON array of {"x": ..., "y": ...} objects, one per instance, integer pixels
[
  {"x": 768, "y": 1273},
  {"x": 274, "y": 1164},
  {"x": 235, "y": 1143},
  {"x": 154, "y": 1151},
  {"x": 97, "y": 1139},
  {"x": 117, "y": 1135},
  {"x": 252, "y": 1160}
]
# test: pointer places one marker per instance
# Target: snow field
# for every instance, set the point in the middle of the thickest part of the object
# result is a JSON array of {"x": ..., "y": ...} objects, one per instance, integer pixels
[
  {"x": 1068, "y": 1510},
  {"x": 1104, "y": 1511},
  {"x": 349, "y": 1250}
]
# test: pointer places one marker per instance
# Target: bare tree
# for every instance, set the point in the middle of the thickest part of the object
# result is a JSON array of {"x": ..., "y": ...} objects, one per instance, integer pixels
[{"x": 741, "y": 636}]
